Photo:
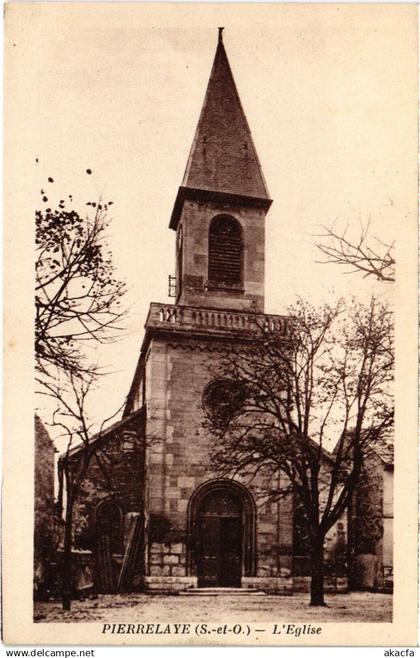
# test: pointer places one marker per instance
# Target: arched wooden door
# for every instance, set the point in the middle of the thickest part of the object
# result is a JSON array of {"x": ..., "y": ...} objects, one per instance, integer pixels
[{"x": 219, "y": 540}]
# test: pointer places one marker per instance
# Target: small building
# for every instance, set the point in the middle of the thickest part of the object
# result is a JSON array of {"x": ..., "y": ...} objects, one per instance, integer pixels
[
  {"x": 370, "y": 519},
  {"x": 44, "y": 508},
  {"x": 108, "y": 508}
]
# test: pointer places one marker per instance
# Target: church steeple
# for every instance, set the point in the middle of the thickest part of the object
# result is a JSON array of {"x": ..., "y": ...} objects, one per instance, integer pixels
[
  {"x": 221, "y": 205},
  {"x": 223, "y": 156},
  {"x": 223, "y": 159}
]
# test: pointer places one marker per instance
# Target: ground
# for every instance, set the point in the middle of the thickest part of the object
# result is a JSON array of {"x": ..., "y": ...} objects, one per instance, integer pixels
[{"x": 135, "y": 608}]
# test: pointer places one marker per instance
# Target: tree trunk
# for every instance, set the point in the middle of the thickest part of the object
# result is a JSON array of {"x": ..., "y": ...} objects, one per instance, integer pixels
[
  {"x": 66, "y": 574},
  {"x": 317, "y": 577}
]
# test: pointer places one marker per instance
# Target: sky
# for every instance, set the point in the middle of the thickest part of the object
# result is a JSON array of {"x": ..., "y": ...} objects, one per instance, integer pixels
[{"x": 330, "y": 96}]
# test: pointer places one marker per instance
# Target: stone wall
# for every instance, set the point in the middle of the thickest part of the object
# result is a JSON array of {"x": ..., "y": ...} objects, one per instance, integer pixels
[
  {"x": 370, "y": 527},
  {"x": 195, "y": 222},
  {"x": 178, "y": 368},
  {"x": 116, "y": 473},
  {"x": 178, "y": 462}
]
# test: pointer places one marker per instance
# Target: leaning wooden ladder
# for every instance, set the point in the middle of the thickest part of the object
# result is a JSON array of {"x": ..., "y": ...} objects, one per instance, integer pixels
[
  {"x": 105, "y": 571},
  {"x": 132, "y": 551}
]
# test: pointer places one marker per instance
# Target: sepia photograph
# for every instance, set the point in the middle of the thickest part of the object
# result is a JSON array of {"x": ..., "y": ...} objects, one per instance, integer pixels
[{"x": 213, "y": 295}]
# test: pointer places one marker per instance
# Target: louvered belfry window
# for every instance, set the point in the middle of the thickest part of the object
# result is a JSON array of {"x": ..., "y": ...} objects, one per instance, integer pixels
[{"x": 225, "y": 251}]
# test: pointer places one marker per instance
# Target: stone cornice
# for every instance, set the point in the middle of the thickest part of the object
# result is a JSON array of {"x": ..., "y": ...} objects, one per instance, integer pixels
[{"x": 195, "y": 194}]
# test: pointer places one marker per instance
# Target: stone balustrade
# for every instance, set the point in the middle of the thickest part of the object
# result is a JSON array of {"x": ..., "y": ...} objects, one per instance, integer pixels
[{"x": 189, "y": 318}]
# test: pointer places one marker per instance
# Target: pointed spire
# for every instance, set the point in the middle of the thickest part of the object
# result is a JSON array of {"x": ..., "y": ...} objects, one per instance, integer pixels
[{"x": 223, "y": 156}]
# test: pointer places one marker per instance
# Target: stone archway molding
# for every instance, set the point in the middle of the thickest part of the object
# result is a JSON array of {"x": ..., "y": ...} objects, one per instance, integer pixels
[{"x": 248, "y": 520}]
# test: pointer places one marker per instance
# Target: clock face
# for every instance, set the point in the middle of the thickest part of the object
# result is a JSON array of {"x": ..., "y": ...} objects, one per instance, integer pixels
[{"x": 223, "y": 398}]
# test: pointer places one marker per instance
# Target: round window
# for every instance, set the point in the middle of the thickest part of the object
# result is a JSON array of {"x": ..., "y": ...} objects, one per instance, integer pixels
[{"x": 222, "y": 398}]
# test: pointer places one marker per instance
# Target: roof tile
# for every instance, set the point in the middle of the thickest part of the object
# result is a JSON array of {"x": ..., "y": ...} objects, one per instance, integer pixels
[{"x": 223, "y": 156}]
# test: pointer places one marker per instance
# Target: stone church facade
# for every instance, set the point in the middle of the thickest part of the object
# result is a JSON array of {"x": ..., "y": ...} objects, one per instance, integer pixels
[{"x": 170, "y": 520}]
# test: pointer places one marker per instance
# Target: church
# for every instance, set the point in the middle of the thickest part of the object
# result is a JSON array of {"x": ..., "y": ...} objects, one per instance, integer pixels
[{"x": 153, "y": 514}]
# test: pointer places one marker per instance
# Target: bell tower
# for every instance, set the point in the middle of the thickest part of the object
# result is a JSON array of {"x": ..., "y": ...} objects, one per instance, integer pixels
[
  {"x": 221, "y": 205},
  {"x": 201, "y": 529}
]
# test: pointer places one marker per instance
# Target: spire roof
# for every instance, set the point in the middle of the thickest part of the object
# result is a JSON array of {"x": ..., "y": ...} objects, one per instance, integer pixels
[{"x": 223, "y": 156}]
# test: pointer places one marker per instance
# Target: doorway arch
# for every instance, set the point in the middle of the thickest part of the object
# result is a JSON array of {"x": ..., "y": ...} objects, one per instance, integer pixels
[
  {"x": 221, "y": 534},
  {"x": 109, "y": 524}
]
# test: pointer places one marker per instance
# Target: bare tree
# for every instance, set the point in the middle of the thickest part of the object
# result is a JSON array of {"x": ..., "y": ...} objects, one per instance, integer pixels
[
  {"x": 71, "y": 417},
  {"x": 77, "y": 297},
  {"x": 77, "y": 302},
  {"x": 365, "y": 253},
  {"x": 307, "y": 403}
]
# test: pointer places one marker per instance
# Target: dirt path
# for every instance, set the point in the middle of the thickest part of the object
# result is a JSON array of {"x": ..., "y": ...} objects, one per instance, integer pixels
[{"x": 354, "y": 607}]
